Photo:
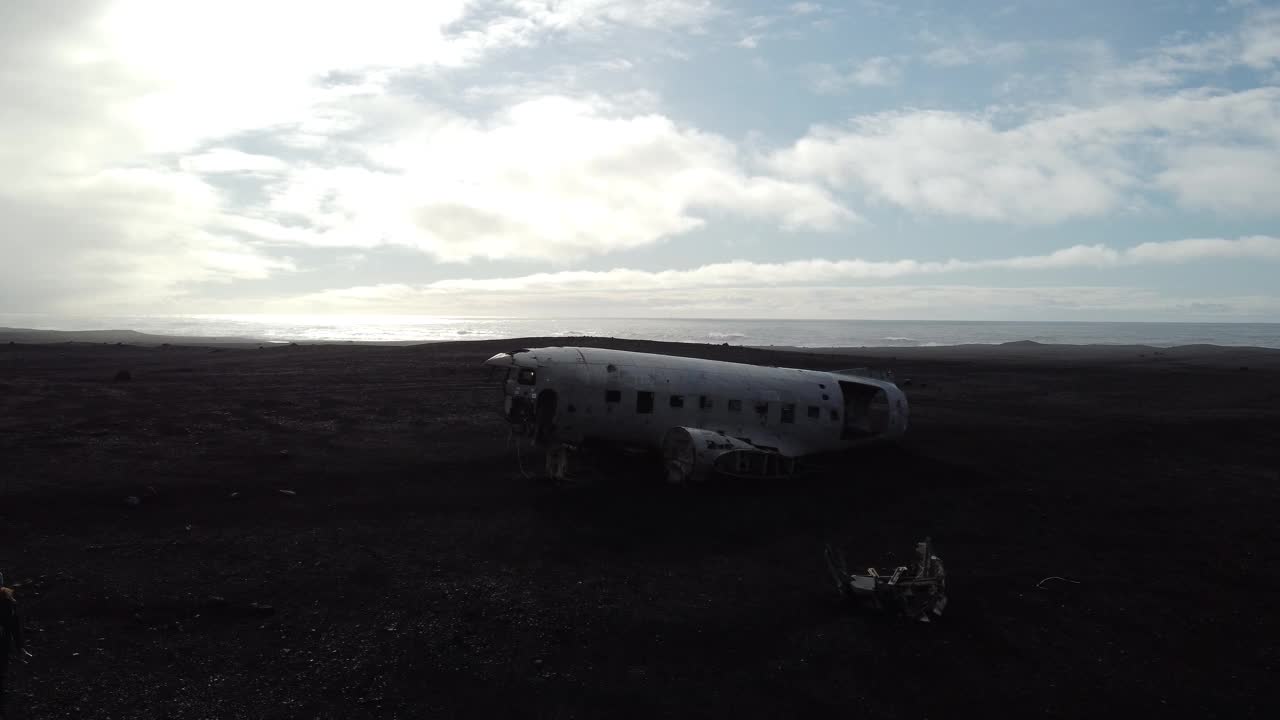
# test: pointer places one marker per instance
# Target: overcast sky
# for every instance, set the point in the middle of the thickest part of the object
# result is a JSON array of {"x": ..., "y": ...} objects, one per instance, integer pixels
[{"x": 1048, "y": 159}]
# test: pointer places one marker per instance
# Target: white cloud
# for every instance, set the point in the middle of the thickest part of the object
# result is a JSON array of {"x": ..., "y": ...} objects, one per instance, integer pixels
[
  {"x": 1093, "y": 71},
  {"x": 599, "y": 14},
  {"x": 742, "y": 273},
  {"x": 95, "y": 95},
  {"x": 209, "y": 70},
  {"x": 821, "y": 288},
  {"x": 199, "y": 71},
  {"x": 1058, "y": 163},
  {"x": 1225, "y": 179},
  {"x": 553, "y": 178},
  {"x": 1260, "y": 39},
  {"x": 877, "y": 71},
  {"x": 1259, "y": 247},
  {"x": 228, "y": 160},
  {"x": 121, "y": 238},
  {"x": 100, "y": 99},
  {"x": 960, "y": 164},
  {"x": 942, "y": 302},
  {"x": 142, "y": 154},
  {"x": 107, "y": 81},
  {"x": 1254, "y": 45},
  {"x": 967, "y": 46}
]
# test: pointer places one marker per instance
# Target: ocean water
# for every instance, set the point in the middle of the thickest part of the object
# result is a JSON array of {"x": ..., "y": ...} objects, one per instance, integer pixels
[{"x": 800, "y": 333}]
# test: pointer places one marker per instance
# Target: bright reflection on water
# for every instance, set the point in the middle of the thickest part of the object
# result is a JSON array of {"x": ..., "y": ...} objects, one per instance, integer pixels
[{"x": 801, "y": 333}]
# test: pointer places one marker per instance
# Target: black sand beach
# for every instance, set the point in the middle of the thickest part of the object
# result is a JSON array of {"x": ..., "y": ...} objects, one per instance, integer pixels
[{"x": 413, "y": 571}]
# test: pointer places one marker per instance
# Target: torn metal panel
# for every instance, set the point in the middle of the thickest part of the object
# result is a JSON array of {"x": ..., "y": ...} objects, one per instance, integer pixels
[{"x": 691, "y": 454}]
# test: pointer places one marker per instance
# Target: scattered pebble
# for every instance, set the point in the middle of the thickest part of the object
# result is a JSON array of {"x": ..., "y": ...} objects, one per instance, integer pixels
[{"x": 262, "y": 608}]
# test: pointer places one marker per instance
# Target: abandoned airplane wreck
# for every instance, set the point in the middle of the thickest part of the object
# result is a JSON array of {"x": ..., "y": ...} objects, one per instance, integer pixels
[{"x": 703, "y": 416}]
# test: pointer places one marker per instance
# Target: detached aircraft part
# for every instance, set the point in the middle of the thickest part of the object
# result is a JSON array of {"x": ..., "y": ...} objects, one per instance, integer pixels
[{"x": 918, "y": 592}]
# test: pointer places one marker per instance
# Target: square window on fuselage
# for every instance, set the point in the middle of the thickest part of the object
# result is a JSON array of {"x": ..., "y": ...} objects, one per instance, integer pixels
[
  {"x": 704, "y": 402},
  {"x": 815, "y": 412},
  {"x": 677, "y": 401},
  {"x": 644, "y": 402},
  {"x": 734, "y": 406},
  {"x": 613, "y": 396},
  {"x": 788, "y": 412}
]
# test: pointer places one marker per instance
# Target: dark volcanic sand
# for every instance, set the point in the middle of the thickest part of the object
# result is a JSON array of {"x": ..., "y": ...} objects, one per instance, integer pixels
[{"x": 416, "y": 573}]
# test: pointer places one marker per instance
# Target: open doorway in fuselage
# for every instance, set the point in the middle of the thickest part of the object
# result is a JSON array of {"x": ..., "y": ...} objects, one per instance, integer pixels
[
  {"x": 545, "y": 415},
  {"x": 866, "y": 411}
]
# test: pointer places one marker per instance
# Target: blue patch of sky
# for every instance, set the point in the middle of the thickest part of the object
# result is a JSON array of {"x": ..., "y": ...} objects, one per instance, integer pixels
[{"x": 769, "y": 88}]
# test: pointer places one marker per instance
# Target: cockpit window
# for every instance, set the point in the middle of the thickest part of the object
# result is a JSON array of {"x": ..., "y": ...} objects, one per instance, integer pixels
[{"x": 526, "y": 376}]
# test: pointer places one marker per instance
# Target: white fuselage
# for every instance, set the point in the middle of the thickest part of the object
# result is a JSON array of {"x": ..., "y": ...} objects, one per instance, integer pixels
[{"x": 634, "y": 398}]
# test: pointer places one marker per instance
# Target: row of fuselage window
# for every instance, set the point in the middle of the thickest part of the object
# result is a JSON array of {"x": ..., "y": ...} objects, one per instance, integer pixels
[{"x": 645, "y": 402}]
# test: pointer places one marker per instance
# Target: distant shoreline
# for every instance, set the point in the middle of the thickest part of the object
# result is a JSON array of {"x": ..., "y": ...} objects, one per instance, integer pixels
[
  {"x": 1012, "y": 349},
  {"x": 33, "y": 336},
  {"x": 410, "y": 330}
]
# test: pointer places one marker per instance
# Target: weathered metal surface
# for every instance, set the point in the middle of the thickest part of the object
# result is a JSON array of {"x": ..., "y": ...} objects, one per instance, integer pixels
[
  {"x": 571, "y": 394},
  {"x": 692, "y": 454}
]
